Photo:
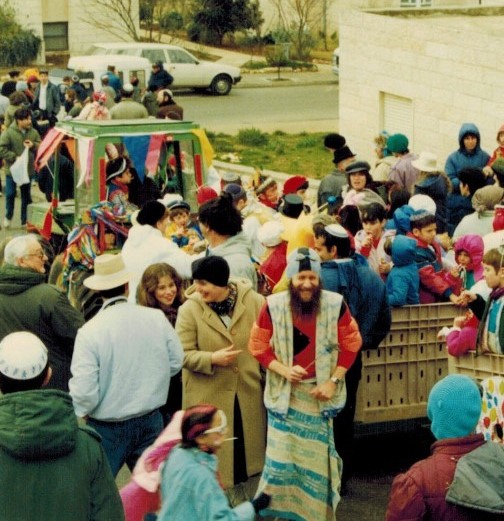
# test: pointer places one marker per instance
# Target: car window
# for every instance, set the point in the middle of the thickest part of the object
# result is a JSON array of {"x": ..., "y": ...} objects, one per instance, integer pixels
[
  {"x": 180, "y": 56},
  {"x": 154, "y": 55},
  {"x": 127, "y": 52}
]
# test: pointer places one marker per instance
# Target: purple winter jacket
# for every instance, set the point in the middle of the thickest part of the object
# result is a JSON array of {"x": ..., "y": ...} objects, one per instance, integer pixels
[{"x": 419, "y": 494}]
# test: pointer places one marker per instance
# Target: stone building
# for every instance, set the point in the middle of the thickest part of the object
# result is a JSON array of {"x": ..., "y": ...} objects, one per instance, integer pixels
[
  {"x": 422, "y": 73},
  {"x": 73, "y": 26}
]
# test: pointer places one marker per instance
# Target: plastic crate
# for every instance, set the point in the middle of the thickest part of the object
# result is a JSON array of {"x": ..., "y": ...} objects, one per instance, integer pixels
[
  {"x": 398, "y": 376},
  {"x": 478, "y": 366}
]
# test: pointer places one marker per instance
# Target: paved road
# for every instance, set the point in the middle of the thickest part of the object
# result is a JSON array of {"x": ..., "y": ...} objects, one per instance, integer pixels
[{"x": 296, "y": 109}]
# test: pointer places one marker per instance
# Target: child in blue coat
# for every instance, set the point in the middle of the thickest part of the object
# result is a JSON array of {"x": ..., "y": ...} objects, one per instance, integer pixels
[{"x": 403, "y": 281}]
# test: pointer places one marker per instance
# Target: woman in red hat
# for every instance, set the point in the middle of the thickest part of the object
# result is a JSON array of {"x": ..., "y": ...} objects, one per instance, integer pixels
[{"x": 32, "y": 82}]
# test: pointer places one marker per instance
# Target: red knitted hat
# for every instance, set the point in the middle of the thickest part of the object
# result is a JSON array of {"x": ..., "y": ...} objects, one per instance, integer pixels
[
  {"x": 205, "y": 193},
  {"x": 293, "y": 184}
]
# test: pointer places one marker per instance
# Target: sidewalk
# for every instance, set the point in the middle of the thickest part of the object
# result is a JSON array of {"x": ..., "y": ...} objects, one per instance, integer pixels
[{"x": 262, "y": 78}]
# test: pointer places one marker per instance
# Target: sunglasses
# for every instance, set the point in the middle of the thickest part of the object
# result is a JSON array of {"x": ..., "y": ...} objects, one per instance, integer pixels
[{"x": 221, "y": 429}]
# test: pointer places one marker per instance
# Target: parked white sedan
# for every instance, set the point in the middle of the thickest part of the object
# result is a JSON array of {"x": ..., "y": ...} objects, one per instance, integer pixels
[{"x": 186, "y": 69}]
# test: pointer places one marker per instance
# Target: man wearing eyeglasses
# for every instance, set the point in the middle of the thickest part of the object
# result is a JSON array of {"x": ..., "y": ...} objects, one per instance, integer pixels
[
  {"x": 27, "y": 303},
  {"x": 307, "y": 340}
]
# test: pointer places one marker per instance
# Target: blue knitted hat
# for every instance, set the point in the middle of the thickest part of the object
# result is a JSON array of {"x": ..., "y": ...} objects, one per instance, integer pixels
[
  {"x": 402, "y": 219},
  {"x": 454, "y": 407}
]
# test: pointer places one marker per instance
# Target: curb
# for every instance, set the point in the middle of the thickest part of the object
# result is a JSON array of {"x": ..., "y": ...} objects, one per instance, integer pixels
[{"x": 283, "y": 82}]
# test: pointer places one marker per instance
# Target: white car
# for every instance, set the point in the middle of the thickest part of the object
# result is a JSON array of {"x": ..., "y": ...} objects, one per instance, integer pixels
[{"x": 187, "y": 70}]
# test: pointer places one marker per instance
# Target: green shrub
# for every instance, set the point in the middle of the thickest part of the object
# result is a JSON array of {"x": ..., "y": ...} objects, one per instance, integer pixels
[
  {"x": 19, "y": 48},
  {"x": 279, "y": 149},
  {"x": 277, "y": 55},
  {"x": 254, "y": 65},
  {"x": 172, "y": 21},
  {"x": 194, "y": 32},
  {"x": 252, "y": 137},
  {"x": 308, "y": 142}
]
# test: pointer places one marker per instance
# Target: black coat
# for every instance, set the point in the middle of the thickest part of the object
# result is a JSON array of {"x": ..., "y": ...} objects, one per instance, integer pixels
[{"x": 160, "y": 80}]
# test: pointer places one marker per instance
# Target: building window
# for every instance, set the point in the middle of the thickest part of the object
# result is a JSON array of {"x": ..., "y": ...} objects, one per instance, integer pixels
[
  {"x": 396, "y": 114},
  {"x": 56, "y": 36},
  {"x": 416, "y": 3}
]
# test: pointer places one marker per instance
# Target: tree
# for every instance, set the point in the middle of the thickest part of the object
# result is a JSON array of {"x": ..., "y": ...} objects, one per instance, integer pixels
[
  {"x": 299, "y": 18},
  {"x": 118, "y": 17},
  {"x": 216, "y": 18},
  {"x": 18, "y": 46},
  {"x": 164, "y": 15}
]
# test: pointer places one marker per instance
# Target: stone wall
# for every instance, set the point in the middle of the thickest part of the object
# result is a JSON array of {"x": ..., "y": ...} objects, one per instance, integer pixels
[{"x": 446, "y": 62}]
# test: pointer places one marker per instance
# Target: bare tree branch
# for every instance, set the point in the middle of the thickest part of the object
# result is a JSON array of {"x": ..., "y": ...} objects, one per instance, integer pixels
[{"x": 121, "y": 17}]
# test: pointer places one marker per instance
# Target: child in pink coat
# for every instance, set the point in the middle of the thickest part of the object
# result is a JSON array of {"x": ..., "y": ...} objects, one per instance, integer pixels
[
  {"x": 468, "y": 270},
  {"x": 469, "y": 251}
]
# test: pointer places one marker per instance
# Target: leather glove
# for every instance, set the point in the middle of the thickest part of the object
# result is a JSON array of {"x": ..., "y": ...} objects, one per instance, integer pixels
[{"x": 261, "y": 501}]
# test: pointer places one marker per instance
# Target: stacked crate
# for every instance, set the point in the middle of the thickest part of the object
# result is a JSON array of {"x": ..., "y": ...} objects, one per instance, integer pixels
[{"x": 397, "y": 377}]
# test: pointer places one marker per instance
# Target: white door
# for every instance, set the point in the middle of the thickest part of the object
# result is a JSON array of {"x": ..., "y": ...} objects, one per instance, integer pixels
[{"x": 185, "y": 69}]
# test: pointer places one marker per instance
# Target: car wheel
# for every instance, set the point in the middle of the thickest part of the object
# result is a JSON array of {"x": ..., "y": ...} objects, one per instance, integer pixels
[{"x": 221, "y": 85}]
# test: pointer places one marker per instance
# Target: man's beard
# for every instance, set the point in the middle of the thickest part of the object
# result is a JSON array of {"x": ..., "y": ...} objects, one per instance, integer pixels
[{"x": 304, "y": 309}]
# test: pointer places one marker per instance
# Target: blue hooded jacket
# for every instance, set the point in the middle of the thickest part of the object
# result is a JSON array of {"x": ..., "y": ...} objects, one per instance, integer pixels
[
  {"x": 403, "y": 281},
  {"x": 365, "y": 294},
  {"x": 461, "y": 158},
  {"x": 436, "y": 186}
]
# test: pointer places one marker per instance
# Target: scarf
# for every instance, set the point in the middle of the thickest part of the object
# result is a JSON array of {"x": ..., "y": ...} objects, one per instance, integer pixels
[
  {"x": 226, "y": 306},
  {"x": 496, "y": 293},
  {"x": 118, "y": 185},
  {"x": 170, "y": 313}
]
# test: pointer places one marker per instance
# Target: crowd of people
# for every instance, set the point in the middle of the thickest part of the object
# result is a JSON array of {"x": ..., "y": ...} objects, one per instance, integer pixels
[
  {"x": 223, "y": 365},
  {"x": 31, "y": 104},
  {"x": 72, "y": 99}
]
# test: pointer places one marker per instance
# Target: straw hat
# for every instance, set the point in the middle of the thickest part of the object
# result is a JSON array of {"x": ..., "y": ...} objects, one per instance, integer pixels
[{"x": 109, "y": 272}]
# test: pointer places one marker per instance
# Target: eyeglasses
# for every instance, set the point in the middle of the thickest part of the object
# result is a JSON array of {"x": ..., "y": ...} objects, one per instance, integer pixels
[
  {"x": 40, "y": 254},
  {"x": 221, "y": 429}
]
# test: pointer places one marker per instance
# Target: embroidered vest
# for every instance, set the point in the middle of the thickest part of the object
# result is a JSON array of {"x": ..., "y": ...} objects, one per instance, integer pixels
[{"x": 278, "y": 389}]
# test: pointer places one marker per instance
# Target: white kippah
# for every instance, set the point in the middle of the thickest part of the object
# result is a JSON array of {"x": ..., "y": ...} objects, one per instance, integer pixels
[
  {"x": 23, "y": 356},
  {"x": 336, "y": 230}
]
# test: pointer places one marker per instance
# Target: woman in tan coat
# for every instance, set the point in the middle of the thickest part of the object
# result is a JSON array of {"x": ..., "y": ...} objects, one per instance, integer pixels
[{"x": 214, "y": 326}]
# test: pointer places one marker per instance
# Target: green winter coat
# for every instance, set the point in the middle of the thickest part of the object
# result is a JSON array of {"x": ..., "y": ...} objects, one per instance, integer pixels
[
  {"x": 11, "y": 146},
  {"x": 28, "y": 304},
  {"x": 52, "y": 469}
]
